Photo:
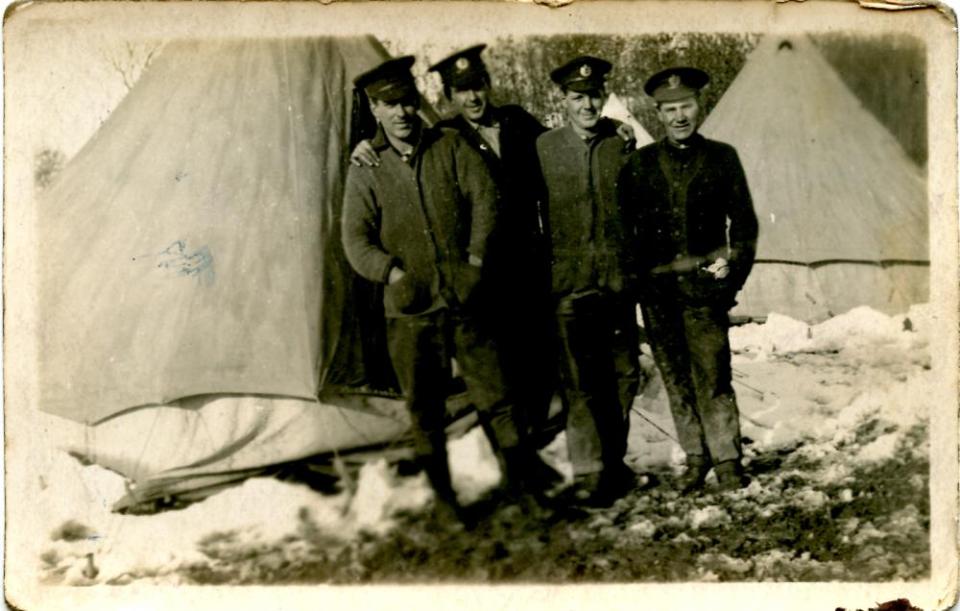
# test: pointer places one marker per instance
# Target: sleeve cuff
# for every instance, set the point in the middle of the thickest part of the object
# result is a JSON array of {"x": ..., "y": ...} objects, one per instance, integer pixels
[{"x": 388, "y": 266}]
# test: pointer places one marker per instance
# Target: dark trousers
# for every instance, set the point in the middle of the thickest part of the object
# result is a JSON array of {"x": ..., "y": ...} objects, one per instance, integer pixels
[
  {"x": 525, "y": 341},
  {"x": 599, "y": 375},
  {"x": 421, "y": 348},
  {"x": 626, "y": 359},
  {"x": 692, "y": 351}
]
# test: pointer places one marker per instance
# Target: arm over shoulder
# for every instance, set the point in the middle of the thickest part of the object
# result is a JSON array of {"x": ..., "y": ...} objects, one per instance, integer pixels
[
  {"x": 523, "y": 120},
  {"x": 360, "y": 226}
]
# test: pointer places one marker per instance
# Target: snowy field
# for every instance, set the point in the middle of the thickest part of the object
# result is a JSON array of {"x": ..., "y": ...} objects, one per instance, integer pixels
[{"x": 834, "y": 418}]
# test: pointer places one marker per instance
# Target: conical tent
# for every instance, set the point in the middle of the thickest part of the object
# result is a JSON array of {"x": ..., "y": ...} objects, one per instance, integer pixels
[
  {"x": 195, "y": 299},
  {"x": 842, "y": 209},
  {"x": 615, "y": 108}
]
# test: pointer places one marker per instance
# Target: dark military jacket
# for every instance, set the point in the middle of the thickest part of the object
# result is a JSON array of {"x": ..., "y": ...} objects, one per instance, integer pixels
[
  {"x": 680, "y": 202},
  {"x": 589, "y": 242},
  {"x": 516, "y": 169},
  {"x": 425, "y": 215},
  {"x": 517, "y": 173}
]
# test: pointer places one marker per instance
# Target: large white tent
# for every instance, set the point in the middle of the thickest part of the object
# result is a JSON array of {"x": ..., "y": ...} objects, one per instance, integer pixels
[
  {"x": 199, "y": 320},
  {"x": 842, "y": 209}
]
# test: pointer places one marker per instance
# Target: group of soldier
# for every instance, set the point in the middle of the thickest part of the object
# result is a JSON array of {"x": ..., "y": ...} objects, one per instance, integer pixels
[{"x": 518, "y": 256}]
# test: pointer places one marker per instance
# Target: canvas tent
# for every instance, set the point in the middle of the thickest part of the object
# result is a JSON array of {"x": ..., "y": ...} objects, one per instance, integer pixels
[
  {"x": 616, "y": 108},
  {"x": 199, "y": 319},
  {"x": 842, "y": 209}
]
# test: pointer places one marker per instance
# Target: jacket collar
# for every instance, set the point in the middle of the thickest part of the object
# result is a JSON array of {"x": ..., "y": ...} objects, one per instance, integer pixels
[
  {"x": 695, "y": 142},
  {"x": 380, "y": 142},
  {"x": 605, "y": 128},
  {"x": 494, "y": 115}
]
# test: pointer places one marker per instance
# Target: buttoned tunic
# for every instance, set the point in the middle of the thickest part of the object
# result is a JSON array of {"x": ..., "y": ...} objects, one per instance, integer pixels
[
  {"x": 689, "y": 206},
  {"x": 590, "y": 254},
  {"x": 425, "y": 215},
  {"x": 587, "y": 235}
]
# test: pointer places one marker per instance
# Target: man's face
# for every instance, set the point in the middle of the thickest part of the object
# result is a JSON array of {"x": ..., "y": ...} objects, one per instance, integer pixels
[
  {"x": 399, "y": 119},
  {"x": 583, "y": 108},
  {"x": 472, "y": 103},
  {"x": 679, "y": 118}
]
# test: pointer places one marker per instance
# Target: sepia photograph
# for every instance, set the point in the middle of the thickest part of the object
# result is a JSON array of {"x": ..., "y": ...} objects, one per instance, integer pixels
[{"x": 625, "y": 301}]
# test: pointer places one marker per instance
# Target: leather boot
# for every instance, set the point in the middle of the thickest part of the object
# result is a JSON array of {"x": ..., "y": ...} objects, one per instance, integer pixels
[
  {"x": 541, "y": 476},
  {"x": 519, "y": 487},
  {"x": 514, "y": 462},
  {"x": 446, "y": 508},
  {"x": 605, "y": 488},
  {"x": 730, "y": 475},
  {"x": 694, "y": 478}
]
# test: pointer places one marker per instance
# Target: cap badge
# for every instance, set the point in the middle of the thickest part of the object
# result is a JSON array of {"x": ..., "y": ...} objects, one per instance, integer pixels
[
  {"x": 673, "y": 81},
  {"x": 586, "y": 70},
  {"x": 462, "y": 64}
]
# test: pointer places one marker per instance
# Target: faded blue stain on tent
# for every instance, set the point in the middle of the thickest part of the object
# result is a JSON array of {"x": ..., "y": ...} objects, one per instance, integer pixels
[{"x": 178, "y": 259}]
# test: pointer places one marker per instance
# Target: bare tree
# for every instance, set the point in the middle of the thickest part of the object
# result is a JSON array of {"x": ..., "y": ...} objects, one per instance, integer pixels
[{"x": 129, "y": 59}]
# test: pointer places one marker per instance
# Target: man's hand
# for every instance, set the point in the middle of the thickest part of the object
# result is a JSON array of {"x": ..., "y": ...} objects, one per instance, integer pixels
[
  {"x": 396, "y": 274},
  {"x": 364, "y": 155},
  {"x": 719, "y": 268},
  {"x": 625, "y": 131}
]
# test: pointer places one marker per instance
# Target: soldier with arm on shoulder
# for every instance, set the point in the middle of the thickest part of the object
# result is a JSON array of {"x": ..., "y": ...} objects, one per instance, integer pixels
[
  {"x": 420, "y": 222},
  {"x": 590, "y": 281}
]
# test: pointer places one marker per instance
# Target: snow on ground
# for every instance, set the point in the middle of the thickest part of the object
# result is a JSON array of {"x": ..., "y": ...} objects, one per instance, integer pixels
[
  {"x": 821, "y": 406},
  {"x": 257, "y": 515},
  {"x": 846, "y": 372}
]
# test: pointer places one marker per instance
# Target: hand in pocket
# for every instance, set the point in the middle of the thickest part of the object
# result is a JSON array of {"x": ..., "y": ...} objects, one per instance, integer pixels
[
  {"x": 405, "y": 294},
  {"x": 468, "y": 284}
]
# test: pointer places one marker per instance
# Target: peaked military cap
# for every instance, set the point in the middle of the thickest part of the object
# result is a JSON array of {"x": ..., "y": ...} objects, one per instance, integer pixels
[
  {"x": 676, "y": 83},
  {"x": 464, "y": 69},
  {"x": 390, "y": 81},
  {"x": 582, "y": 73}
]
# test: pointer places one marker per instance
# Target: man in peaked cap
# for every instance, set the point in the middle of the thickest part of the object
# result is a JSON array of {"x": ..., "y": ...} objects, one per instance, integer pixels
[
  {"x": 389, "y": 82},
  {"x": 420, "y": 223},
  {"x": 506, "y": 136},
  {"x": 697, "y": 234},
  {"x": 589, "y": 246}
]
